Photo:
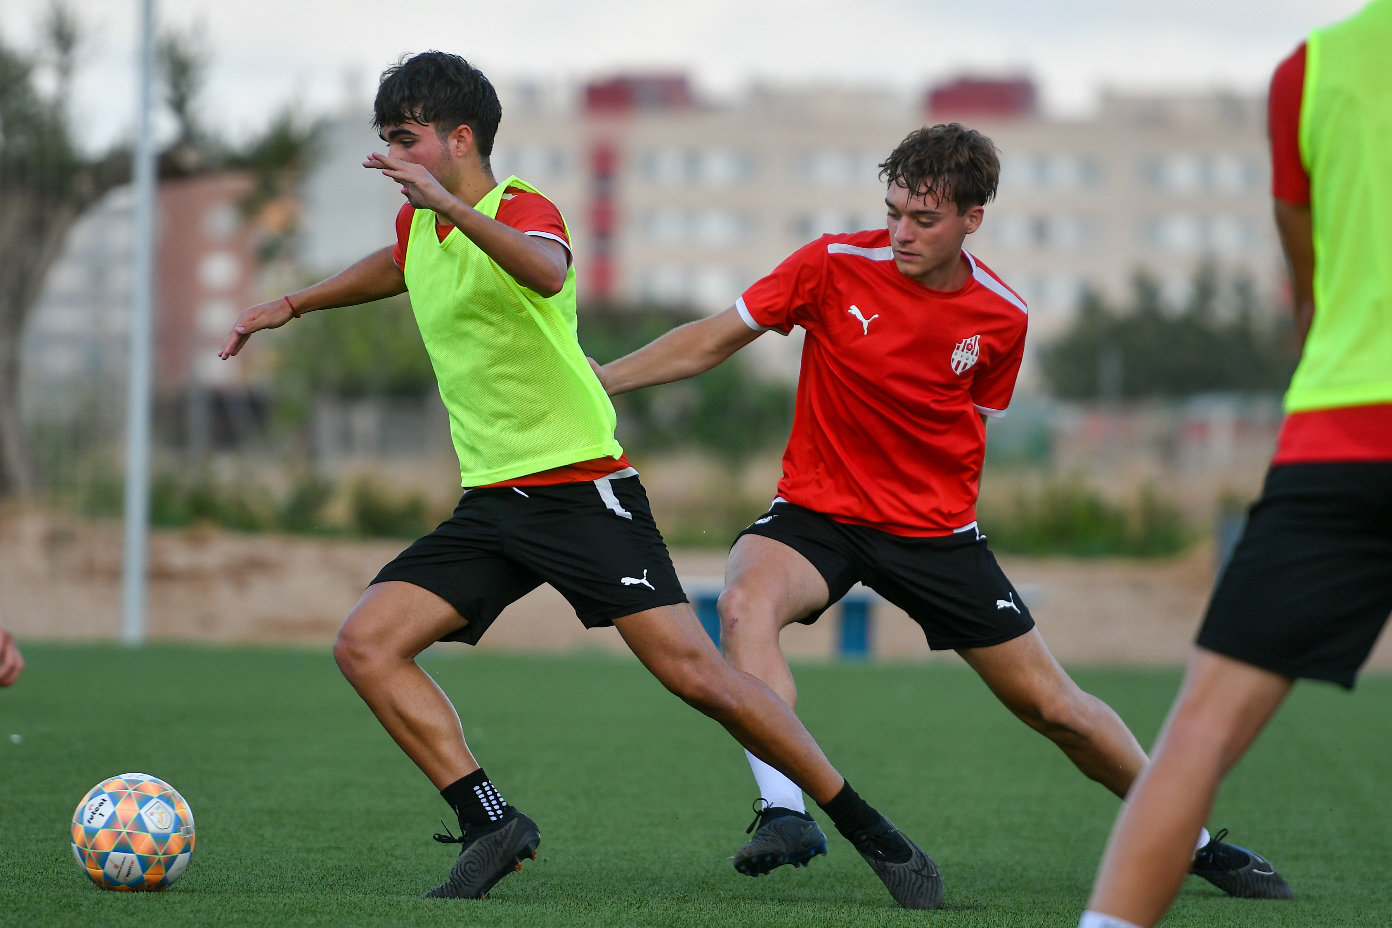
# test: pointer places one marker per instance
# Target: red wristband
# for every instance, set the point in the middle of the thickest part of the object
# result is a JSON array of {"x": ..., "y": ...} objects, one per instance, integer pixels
[{"x": 293, "y": 311}]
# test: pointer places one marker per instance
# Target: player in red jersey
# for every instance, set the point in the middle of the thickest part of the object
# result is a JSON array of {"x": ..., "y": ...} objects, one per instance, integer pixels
[{"x": 911, "y": 344}]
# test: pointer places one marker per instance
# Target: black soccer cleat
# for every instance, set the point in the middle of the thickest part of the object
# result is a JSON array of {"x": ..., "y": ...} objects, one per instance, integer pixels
[
  {"x": 487, "y": 857},
  {"x": 784, "y": 837},
  {"x": 909, "y": 874},
  {"x": 1238, "y": 871}
]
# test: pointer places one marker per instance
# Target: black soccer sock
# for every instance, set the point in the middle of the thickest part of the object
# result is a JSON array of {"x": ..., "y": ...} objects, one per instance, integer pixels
[
  {"x": 856, "y": 819},
  {"x": 476, "y": 801},
  {"x": 849, "y": 813}
]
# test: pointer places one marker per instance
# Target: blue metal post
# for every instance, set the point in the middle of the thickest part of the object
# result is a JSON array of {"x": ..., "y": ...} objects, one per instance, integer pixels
[
  {"x": 855, "y": 628},
  {"x": 709, "y": 615}
]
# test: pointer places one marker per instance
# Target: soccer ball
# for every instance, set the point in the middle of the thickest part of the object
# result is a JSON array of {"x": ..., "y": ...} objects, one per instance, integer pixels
[{"x": 133, "y": 832}]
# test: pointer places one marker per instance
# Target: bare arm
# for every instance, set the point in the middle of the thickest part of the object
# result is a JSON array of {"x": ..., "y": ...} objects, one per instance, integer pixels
[
  {"x": 11, "y": 661},
  {"x": 375, "y": 277},
  {"x": 684, "y": 352},
  {"x": 538, "y": 264},
  {"x": 1294, "y": 226}
]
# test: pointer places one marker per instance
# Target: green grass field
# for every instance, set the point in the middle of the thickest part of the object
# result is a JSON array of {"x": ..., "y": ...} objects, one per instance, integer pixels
[{"x": 308, "y": 815}]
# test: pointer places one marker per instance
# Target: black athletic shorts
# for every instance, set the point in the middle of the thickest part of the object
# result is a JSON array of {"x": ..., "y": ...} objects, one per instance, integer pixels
[
  {"x": 951, "y": 586},
  {"x": 1309, "y": 586},
  {"x": 595, "y": 542}
]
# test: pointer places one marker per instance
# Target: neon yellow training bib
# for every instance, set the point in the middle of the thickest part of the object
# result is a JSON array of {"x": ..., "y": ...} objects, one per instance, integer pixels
[
  {"x": 521, "y": 396},
  {"x": 1346, "y": 144}
]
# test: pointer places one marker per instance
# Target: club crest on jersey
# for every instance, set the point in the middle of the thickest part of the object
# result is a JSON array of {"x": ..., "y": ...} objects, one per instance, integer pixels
[{"x": 966, "y": 353}]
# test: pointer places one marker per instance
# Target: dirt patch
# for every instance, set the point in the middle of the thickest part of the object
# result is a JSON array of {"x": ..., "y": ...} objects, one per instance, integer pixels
[{"x": 60, "y": 580}]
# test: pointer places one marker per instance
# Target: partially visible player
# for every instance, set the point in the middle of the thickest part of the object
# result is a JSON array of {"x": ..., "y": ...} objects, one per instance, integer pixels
[
  {"x": 549, "y": 496},
  {"x": 11, "y": 661},
  {"x": 1309, "y": 587},
  {"x": 911, "y": 344}
]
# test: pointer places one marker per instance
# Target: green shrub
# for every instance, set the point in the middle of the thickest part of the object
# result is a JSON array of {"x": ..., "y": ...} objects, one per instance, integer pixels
[
  {"x": 375, "y": 511},
  {"x": 1071, "y": 519},
  {"x": 302, "y": 510}
]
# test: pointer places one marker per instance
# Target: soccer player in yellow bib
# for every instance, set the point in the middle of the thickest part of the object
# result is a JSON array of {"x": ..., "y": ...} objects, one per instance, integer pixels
[
  {"x": 1309, "y": 587},
  {"x": 549, "y": 496}
]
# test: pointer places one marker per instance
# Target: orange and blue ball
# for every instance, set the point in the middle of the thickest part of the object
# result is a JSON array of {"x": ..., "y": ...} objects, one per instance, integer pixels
[{"x": 133, "y": 833}]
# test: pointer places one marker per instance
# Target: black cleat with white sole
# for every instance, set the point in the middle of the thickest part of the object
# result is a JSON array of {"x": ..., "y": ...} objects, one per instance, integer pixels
[
  {"x": 1238, "y": 871},
  {"x": 784, "y": 836},
  {"x": 909, "y": 874},
  {"x": 488, "y": 855}
]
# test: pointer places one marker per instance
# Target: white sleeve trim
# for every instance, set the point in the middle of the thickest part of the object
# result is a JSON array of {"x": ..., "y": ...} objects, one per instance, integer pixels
[
  {"x": 570, "y": 257},
  {"x": 991, "y": 413},
  {"x": 749, "y": 320}
]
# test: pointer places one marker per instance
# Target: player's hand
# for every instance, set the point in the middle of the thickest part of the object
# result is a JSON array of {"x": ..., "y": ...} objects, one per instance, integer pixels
[
  {"x": 11, "y": 661},
  {"x": 270, "y": 315},
  {"x": 598, "y": 372},
  {"x": 417, "y": 184}
]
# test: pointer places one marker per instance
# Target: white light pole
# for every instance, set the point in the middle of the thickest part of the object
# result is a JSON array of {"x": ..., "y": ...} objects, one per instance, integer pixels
[{"x": 135, "y": 553}]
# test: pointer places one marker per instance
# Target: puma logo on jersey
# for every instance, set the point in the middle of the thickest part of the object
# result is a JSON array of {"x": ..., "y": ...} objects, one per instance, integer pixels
[
  {"x": 1008, "y": 603},
  {"x": 966, "y": 353},
  {"x": 635, "y": 581},
  {"x": 865, "y": 323}
]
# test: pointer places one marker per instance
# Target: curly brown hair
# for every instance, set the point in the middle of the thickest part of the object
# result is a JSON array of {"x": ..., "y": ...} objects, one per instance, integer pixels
[{"x": 945, "y": 162}]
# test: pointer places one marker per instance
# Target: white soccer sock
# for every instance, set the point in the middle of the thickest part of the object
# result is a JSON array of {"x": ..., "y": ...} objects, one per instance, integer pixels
[
  {"x": 774, "y": 787},
  {"x": 1098, "y": 920},
  {"x": 1203, "y": 839}
]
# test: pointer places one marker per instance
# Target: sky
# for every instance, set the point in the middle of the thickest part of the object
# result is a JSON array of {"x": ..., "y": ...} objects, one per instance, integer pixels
[{"x": 319, "y": 53}]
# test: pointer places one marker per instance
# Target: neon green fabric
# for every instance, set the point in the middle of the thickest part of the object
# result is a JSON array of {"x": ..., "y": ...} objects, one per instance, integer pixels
[
  {"x": 1346, "y": 144},
  {"x": 520, "y": 394}
]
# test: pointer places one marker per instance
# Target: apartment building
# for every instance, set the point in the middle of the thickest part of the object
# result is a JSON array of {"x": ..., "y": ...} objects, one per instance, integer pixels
[{"x": 677, "y": 202}]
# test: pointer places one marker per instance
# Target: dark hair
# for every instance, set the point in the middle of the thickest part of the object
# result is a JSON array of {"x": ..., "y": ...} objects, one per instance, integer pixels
[
  {"x": 945, "y": 162},
  {"x": 440, "y": 88}
]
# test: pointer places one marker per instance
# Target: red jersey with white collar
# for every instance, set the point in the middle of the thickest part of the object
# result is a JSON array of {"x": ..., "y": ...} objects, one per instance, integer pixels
[{"x": 895, "y": 378}]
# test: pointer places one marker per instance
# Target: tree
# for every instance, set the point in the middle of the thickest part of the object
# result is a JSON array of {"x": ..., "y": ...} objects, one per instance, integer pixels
[
  {"x": 46, "y": 183},
  {"x": 1213, "y": 343}
]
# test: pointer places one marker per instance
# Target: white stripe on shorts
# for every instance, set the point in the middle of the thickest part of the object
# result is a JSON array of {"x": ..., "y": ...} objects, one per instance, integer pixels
[{"x": 606, "y": 490}]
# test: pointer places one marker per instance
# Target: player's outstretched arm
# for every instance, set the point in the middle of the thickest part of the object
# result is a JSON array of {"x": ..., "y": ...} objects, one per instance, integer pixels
[
  {"x": 375, "y": 277},
  {"x": 1296, "y": 230},
  {"x": 11, "y": 661},
  {"x": 684, "y": 352}
]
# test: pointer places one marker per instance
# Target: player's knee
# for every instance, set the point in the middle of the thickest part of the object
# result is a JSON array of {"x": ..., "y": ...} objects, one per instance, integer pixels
[
  {"x": 740, "y": 612},
  {"x": 1060, "y": 717},
  {"x": 1198, "y": 730},
  {"x": 702, "y": 683},
  {"x": 353, "y": 652}
]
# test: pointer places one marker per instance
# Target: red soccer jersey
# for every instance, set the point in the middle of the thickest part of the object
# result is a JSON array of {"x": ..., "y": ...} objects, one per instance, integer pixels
[
  {"x": 531, "y": 214},
  {"x": 887, "y": 432}
]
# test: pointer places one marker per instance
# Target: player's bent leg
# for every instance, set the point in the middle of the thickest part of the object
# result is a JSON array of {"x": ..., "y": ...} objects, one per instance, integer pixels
[
  {"x": 768, "y": 585},
  {"x": 1026, "y": 678},
  {"x": 376, "y": 650},
  {"x": 1222, "y": 707},
  {"x": 671, "y": 643}
]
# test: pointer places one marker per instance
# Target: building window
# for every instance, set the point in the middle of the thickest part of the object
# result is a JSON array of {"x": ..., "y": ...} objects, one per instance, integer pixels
[
  {"x": 1180, "y": 234},
  {"x": 808, "y": 226},
  {"x": 711, "y": 228},
  {"x": 529, "y": 162},
  {"x": 1189, "y": 173},
  {"x": 836, "y": 168},
  {"x": 693, "y": 167},
  {"x": 707, "y": 287},
  {"x": 1055, "y": 171},
  {"x": 1059, "y": 232}
]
